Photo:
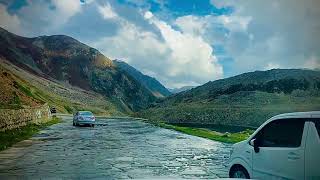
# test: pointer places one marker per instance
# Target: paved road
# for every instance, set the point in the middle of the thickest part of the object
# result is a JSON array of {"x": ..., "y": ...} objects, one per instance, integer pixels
[{"x": 123, "y": 149}]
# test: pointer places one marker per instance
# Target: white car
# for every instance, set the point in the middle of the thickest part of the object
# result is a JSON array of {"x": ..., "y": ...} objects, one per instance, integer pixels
[
  {"x": 84, "y": 118},
  {"x": 286, "y": 146}
]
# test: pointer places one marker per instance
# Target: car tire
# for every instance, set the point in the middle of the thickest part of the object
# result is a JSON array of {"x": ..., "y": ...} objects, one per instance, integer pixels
[
  {"x": 73, "y": 124},
  {"x": 92, "y": 125},
  {"x": 239, "y": 172}
]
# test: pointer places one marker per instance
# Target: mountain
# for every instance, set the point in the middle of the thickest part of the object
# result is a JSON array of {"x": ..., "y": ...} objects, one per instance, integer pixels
[
  {"x": 244, "y": 100},
  {"x": 67, "y": 60},
  {"x": 178, "y": 90},
  {"x": 21, "y": 89},
  {"x": 149, "y": 82}
]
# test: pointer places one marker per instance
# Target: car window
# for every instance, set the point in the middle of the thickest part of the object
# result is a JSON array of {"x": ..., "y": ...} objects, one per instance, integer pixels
[
  {"x": 86, "y": 113},
  {"x": 281, "y": 133}
]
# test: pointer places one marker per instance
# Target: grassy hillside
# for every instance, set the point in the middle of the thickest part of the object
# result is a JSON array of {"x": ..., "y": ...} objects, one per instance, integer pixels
[
  {"x": 244, "y": 100},
  {"x": 32, "y": 90},
  {"x": 15, "y": 93}
]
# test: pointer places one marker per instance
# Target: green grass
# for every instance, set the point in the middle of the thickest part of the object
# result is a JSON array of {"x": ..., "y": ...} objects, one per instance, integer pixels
[
  {"x": 212, "y": 135},
  {"x": 10, "y": 137}
]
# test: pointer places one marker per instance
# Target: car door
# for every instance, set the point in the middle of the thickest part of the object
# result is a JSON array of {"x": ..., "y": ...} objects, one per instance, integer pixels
[
  {"x": 312, "y": 152},
  {"x": 281, "y": 155}
]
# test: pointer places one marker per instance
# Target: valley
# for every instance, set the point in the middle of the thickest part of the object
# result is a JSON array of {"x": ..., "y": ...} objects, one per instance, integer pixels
[{"x": 71, "y": 76}]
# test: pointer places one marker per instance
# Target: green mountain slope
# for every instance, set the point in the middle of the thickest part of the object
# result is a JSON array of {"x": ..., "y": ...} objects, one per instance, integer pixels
[
  {"x": 149, "y": 82},
  {"x": 244, "y": 100},
  {"x": 21, "y": 89},
  {"x": 69, "y": 61}
]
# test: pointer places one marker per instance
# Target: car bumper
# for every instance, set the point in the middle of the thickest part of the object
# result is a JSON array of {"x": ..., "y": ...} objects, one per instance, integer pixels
[{"x": 85, "y": 122}]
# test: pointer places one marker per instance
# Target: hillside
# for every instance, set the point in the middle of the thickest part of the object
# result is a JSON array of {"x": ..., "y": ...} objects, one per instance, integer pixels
[
  {"x": 14, "y": 93},
  {"x": 73, "y": 63},
  {"x": 149, "y": 82},
  {"x": 21, "y": 89},
  {"x": 244, "y": 100}
]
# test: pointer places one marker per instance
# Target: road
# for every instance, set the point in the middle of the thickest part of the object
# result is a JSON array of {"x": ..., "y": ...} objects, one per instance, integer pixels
[{"x": 120, "y": 149}]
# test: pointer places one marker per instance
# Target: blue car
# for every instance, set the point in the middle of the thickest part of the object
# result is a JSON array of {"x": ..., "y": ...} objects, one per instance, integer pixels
[{"x": 84, "y": 118}]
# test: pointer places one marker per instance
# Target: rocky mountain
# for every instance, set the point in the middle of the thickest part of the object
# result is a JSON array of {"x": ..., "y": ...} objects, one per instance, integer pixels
[
  {"x": 178, "y": 90},
  {"x": 244, "y": 100},
  {"x": 149, "y": 82},
  {"x": 67, "y": 60}
]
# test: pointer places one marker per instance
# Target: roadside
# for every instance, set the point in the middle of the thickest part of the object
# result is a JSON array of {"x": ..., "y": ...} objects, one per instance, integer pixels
[
  {"x": 226, "y": 137},
  {"x": 10, "y": 137},
  {"x": 209, "y": 134}
]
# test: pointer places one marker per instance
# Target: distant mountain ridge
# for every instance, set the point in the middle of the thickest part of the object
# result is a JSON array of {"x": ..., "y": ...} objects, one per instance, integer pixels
[
  {"x": 65, "y": 59},
  {"x": 244, "y": 100},
  {"x": 178, "y": 90},
  {"x": 149, "y": 82}
]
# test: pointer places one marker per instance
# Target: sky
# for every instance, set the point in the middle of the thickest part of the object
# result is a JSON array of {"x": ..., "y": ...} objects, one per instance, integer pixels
[{"x": 181, "y": 42}]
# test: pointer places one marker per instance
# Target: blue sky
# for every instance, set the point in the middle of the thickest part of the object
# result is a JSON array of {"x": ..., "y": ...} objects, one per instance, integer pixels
[{"x": 181, "y": 42}]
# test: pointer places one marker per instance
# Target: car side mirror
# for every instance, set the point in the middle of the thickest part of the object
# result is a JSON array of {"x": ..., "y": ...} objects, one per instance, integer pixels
[{"x": 255, "y": 144}]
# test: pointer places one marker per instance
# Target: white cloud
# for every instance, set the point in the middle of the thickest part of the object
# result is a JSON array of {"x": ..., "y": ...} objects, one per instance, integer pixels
[
  {"x": 9, "y": 22},
  {"x": 67, "y": 8},
  {"x": 312, "y": 63},
  {"x": 41, "y": 17},
  {"x": 271, "y": 65},
  {"x": 190, "y": 55},
  {"x": 107, "y": 12},
  {"x": 192, "y": 24},
  {"x": 275, "y": 32},
  {"x": 148, "y": 15},
  {"x": 222, "y": 3},
  {"x": 175, "y": 58},
  {"x": 235, "y": 23}
]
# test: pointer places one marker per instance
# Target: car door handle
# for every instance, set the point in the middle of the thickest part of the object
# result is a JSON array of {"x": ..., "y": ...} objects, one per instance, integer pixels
[{"x": 293, "y": 156}]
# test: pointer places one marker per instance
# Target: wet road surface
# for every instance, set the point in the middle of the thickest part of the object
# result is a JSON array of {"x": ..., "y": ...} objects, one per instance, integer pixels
[{"x": 122, "y": 149}]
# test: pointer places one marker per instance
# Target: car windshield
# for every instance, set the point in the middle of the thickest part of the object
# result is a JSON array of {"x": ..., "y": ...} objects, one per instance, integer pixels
[{"x": 86, "y": 113}]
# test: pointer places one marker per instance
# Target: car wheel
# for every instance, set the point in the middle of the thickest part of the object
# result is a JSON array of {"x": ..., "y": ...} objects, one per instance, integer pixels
[
  {"x": 73, "y": 124},
  {"x": 239, "y": 172},
  {"x": 92, "y": 125}
]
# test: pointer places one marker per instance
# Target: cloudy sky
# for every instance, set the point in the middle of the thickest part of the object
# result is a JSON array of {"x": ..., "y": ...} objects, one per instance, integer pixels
[{"x": 181, "y": 42}]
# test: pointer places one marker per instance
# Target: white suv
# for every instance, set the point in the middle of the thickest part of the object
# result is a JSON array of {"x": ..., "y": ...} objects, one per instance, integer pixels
[{"x": 286, "y": 146}]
